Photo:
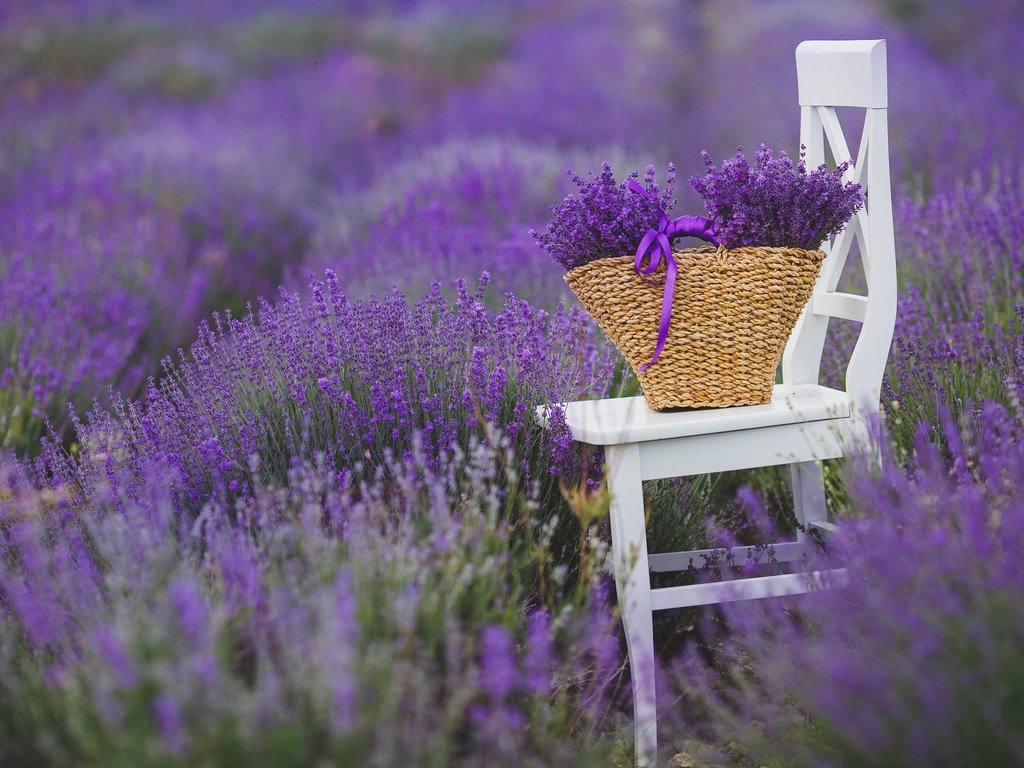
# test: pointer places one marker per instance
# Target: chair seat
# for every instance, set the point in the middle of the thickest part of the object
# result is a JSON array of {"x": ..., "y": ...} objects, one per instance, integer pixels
[{"x": 625, "y": 420}]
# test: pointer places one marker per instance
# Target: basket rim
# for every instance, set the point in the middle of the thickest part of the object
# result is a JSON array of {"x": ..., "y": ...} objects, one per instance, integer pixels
[{"x": 720, "y": 253}]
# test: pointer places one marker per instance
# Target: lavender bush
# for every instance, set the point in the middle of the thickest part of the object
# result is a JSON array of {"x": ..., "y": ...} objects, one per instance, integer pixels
[
  {"x": 352, "y": 382},
  {"x": 137, "y": 269},
  {"x": 214, "y": 195},
  {"x": 462, "y": 208},
  {"x": 562, "y": 83},
  {"x": 774, "y": 203},
  {"x": 98, "y": 316},
  {"x": 604, "y": 218},
  {"x": 357, "y": 623},
  {"x": 918, "y": 660},
  {"x": 958, "y": 330}
]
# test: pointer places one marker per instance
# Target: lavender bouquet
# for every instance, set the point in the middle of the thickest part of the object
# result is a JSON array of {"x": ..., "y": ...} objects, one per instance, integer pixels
[
  {"x": 605, "y": 218},
  {"x": 775, "y": 203},
  {"x": 779, "y": 209}
]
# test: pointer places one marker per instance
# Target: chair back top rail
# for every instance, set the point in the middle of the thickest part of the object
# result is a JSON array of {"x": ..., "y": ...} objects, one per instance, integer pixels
[{"x": 842, "y": 73}]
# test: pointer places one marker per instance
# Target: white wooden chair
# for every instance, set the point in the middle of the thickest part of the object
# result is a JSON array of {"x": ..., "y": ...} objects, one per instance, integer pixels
[{"x": 804, "y": 423}]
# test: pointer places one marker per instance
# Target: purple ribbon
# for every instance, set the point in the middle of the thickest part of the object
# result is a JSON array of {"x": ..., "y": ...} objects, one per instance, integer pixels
[{"x": 657, "y": 243}]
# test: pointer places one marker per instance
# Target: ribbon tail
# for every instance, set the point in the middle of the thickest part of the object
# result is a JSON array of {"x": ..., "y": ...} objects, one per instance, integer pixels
[
  {"x": 645, "y": 245},
  {"x": 666, "y": 246},
  {"x": 633, "y": 186},
  {"x": 666, "y": 311}
]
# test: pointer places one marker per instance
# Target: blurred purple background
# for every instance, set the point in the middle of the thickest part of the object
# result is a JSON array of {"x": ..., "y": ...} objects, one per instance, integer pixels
[{"x": 162, "y": 160}]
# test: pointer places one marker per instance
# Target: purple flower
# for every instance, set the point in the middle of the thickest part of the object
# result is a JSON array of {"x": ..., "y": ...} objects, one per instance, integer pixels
[
  {"x": 171, "y": 723},
  {"x": 346, "y": 631},
  {"x": 190, "y": 610},
  {"x": 775, "y": 203},
  {"x": 116, "y": 655},
  {"x": 499, "y": 673},
  {"x": 603, "y": 219},
  {"x": 539, "y": 659}
]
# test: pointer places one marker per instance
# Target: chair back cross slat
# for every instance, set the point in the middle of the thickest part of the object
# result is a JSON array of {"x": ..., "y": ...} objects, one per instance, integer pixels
[{"x": 834, "y": 74}]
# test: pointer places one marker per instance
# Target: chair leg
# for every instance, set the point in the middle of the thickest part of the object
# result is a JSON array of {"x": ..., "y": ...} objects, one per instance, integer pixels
[
  {"x": 633, "y": 584},
  {"x": 808, "y": 494}
]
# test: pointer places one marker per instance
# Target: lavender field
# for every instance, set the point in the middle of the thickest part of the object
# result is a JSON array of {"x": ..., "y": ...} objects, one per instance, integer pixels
[{"x": 273, "y": 328}]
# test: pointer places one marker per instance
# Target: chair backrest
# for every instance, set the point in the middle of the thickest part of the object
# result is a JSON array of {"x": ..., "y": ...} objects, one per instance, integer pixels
[{"x": 849, "y": 73}]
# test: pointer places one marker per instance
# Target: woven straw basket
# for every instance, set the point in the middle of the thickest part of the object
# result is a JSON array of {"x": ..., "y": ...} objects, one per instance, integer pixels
[{"x": 732, "y": 313}]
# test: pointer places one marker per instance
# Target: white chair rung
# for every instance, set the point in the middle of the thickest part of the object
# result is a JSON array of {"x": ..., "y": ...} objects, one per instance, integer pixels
[
  {"x": 846, "y": 306},
  {"x": 823, "y": 525},
  {"x": 751, "y": 588},
  {"x": 783, "y": 552}
]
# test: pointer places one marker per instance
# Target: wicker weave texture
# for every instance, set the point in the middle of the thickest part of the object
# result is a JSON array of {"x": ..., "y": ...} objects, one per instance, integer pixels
[{"x": 732, "y": 315}]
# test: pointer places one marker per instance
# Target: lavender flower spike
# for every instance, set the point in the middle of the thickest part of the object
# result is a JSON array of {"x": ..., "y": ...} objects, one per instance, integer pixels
[{"x": 775, "y": 203}]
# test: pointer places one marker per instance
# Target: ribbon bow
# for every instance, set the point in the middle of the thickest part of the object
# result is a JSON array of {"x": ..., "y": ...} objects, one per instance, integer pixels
[{"x": 657, "y": 243}]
